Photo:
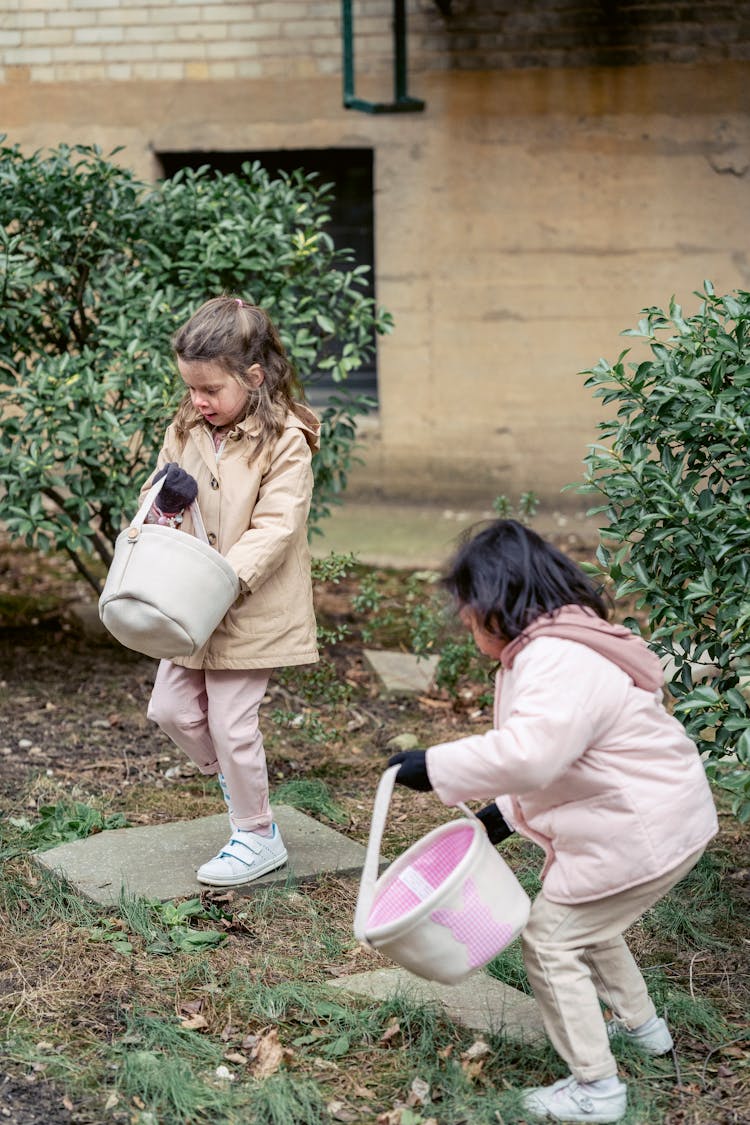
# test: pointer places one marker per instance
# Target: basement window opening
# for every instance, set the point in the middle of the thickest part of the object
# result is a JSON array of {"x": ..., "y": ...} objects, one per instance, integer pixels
[{"x": 350, "y": 172}]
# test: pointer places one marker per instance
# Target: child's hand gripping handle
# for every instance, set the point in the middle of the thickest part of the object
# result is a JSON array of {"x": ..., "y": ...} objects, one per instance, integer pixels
[
  {"x": 140, "y": 517},
  {"x": 179, "y": 488}
]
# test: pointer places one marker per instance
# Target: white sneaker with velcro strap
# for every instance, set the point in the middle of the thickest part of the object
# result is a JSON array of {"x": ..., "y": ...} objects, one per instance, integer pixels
[
  {"x": 247, "y": 856},
  {"x": 566, "y": 1100}
]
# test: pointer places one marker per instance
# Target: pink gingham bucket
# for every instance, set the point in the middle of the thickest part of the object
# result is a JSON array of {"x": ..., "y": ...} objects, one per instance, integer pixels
[{"x": 445, "y": 907}]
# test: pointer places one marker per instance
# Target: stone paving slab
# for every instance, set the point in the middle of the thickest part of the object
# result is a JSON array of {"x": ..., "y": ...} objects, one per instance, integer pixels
[
  {"x": 480, "y": 1002},
  {"x": 401, "y": 672},
  {"x": 160, "y": 861}
]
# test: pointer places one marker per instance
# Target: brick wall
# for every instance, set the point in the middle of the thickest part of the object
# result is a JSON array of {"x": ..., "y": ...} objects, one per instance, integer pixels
[
  {"x": 122, "y": 40},
  {"x": 505, "y": 34}
]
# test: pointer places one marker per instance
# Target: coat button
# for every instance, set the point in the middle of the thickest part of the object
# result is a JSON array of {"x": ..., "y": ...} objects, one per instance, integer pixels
[
  {"x": 214, "y": 482},
  {"x": 211, "y": 538}
]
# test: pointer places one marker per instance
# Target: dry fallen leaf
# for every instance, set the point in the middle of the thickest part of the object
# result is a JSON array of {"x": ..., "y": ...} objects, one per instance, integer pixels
[
  {"x": 339, "y": 1112},
  {"x": 390, "y": 1117},
  {"x": 190, "y": 1007},
  {"x": 267, "y": 1054},
  {"x": 419, "y": 1092},
  {"x": 324, "y": 1064},
  {"x": 478, "y": 1050},
  {"x": 393, "y": 1029},
  {"x": 472, "y": 1061},
  {"x": 194, "y": 1023}
]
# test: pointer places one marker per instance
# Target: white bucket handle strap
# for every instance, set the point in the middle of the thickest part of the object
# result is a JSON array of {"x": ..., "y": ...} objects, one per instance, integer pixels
[
  {"x": 140, "y": 517},
  {"x": 369, "y": 878}
]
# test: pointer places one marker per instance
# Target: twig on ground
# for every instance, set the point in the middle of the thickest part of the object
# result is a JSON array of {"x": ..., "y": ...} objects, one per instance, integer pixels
[
  {"x": 715, "y": 1050},
  {"x": 693, "y": 959}
]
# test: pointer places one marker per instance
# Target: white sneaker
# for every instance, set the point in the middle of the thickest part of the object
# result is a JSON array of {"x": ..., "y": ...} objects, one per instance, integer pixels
[
  {"x": 566, "y": 1100},
  {"x": 652, "y": 1037},
  {"x": 247, "y": 856}
]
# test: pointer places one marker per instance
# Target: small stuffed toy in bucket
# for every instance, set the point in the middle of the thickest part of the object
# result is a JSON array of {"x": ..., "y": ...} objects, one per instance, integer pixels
[{"x": 445, "y": 907}]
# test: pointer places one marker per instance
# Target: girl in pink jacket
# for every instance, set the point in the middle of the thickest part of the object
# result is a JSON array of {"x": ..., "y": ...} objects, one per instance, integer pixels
[{"x": 589, "y": 764}]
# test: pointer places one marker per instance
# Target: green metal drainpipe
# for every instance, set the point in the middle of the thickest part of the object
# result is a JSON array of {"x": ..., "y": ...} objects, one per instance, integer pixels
[{"x": 401, "y": 103}]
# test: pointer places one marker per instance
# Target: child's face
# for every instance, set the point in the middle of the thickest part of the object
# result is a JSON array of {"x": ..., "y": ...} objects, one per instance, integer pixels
[
  {"x": 488, "y": 643},
  {"x": 214, "y": 392}
]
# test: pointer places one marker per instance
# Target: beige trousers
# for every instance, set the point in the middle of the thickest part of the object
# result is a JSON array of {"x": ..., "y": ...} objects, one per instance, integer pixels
[
  {"x": 576, "y": 956},
  {"x": 213, "y": 717}
]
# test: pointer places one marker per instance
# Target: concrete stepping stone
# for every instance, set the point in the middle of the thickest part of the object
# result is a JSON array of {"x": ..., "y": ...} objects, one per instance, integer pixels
[
  {"x": 402, "y": 673},
  {"x": 480, "y": 1002},
  {"x": 160, "y": 861}
]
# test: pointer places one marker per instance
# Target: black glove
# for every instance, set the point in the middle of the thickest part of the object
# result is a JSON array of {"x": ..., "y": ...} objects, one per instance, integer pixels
[
  {"x": 413, "y": 772},
  {"x": 495, "y": 824},
  {"x": 179, "y": 488}
]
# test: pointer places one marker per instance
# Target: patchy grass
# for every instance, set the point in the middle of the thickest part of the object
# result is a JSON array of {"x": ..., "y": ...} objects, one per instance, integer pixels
[{"x": 217, "y": 1008}]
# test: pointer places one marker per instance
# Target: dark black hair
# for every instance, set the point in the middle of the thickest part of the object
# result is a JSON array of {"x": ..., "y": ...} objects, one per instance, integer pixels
[{"x": 509, "y": 576}]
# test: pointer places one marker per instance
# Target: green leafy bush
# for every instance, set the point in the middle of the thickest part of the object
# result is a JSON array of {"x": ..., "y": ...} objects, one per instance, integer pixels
[
  {"x": 676, "y": 489},
  {"x": 97, "y": 270}
]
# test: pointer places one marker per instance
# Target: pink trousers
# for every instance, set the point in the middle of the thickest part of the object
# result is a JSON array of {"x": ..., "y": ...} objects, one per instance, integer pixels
[{"x": 213, "y": 717}]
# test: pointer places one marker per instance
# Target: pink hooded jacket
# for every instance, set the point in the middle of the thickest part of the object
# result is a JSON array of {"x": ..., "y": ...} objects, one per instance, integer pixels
[{"x": 588, "y": 761}]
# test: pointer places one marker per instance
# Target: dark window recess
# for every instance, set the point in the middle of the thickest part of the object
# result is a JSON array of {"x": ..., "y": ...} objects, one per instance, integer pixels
[{"x": 350, "y": 171}]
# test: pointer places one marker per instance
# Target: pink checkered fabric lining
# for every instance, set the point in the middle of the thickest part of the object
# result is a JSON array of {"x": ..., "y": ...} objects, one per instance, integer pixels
[
  {"x": 475, "y": 927},
  {"x": 431, "y": 868}
]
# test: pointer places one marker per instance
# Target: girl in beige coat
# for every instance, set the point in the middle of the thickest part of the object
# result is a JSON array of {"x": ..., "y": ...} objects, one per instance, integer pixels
[{"x": 241, "y": 445}]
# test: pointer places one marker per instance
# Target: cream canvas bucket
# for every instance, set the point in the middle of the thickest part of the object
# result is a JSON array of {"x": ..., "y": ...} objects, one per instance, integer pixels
[
  {"x": 445, "y": 907},
  {"x": 166, "y": 591}
]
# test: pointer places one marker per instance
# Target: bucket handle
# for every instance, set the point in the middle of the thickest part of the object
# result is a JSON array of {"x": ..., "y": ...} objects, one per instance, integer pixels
[
  {"x": 140, "y": 517},
  {"x": 370, "y": 867}
]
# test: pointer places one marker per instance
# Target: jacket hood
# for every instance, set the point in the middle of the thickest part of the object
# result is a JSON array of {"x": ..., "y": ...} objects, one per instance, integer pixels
[
  {"x": 615, "y": 642},
  {"x": 302, "y": 418}
]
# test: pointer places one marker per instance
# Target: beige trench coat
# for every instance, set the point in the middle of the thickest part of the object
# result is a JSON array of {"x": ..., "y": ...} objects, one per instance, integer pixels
[{"x": 258, "y": 521}]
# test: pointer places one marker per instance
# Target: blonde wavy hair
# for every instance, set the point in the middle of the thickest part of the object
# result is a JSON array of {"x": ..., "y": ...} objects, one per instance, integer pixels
[{"x": 235, "y": 335}]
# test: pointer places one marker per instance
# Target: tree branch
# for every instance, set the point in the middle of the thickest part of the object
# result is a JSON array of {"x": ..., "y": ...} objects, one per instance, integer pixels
[
  {"x": 83, "y": 570},
  {"x": 103, "y": 548}
]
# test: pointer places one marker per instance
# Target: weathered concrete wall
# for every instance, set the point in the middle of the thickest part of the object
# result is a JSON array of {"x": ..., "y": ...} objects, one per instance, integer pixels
[
  {"x": 525, "y": 230},
  {"x": 522, "y": 220}
]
